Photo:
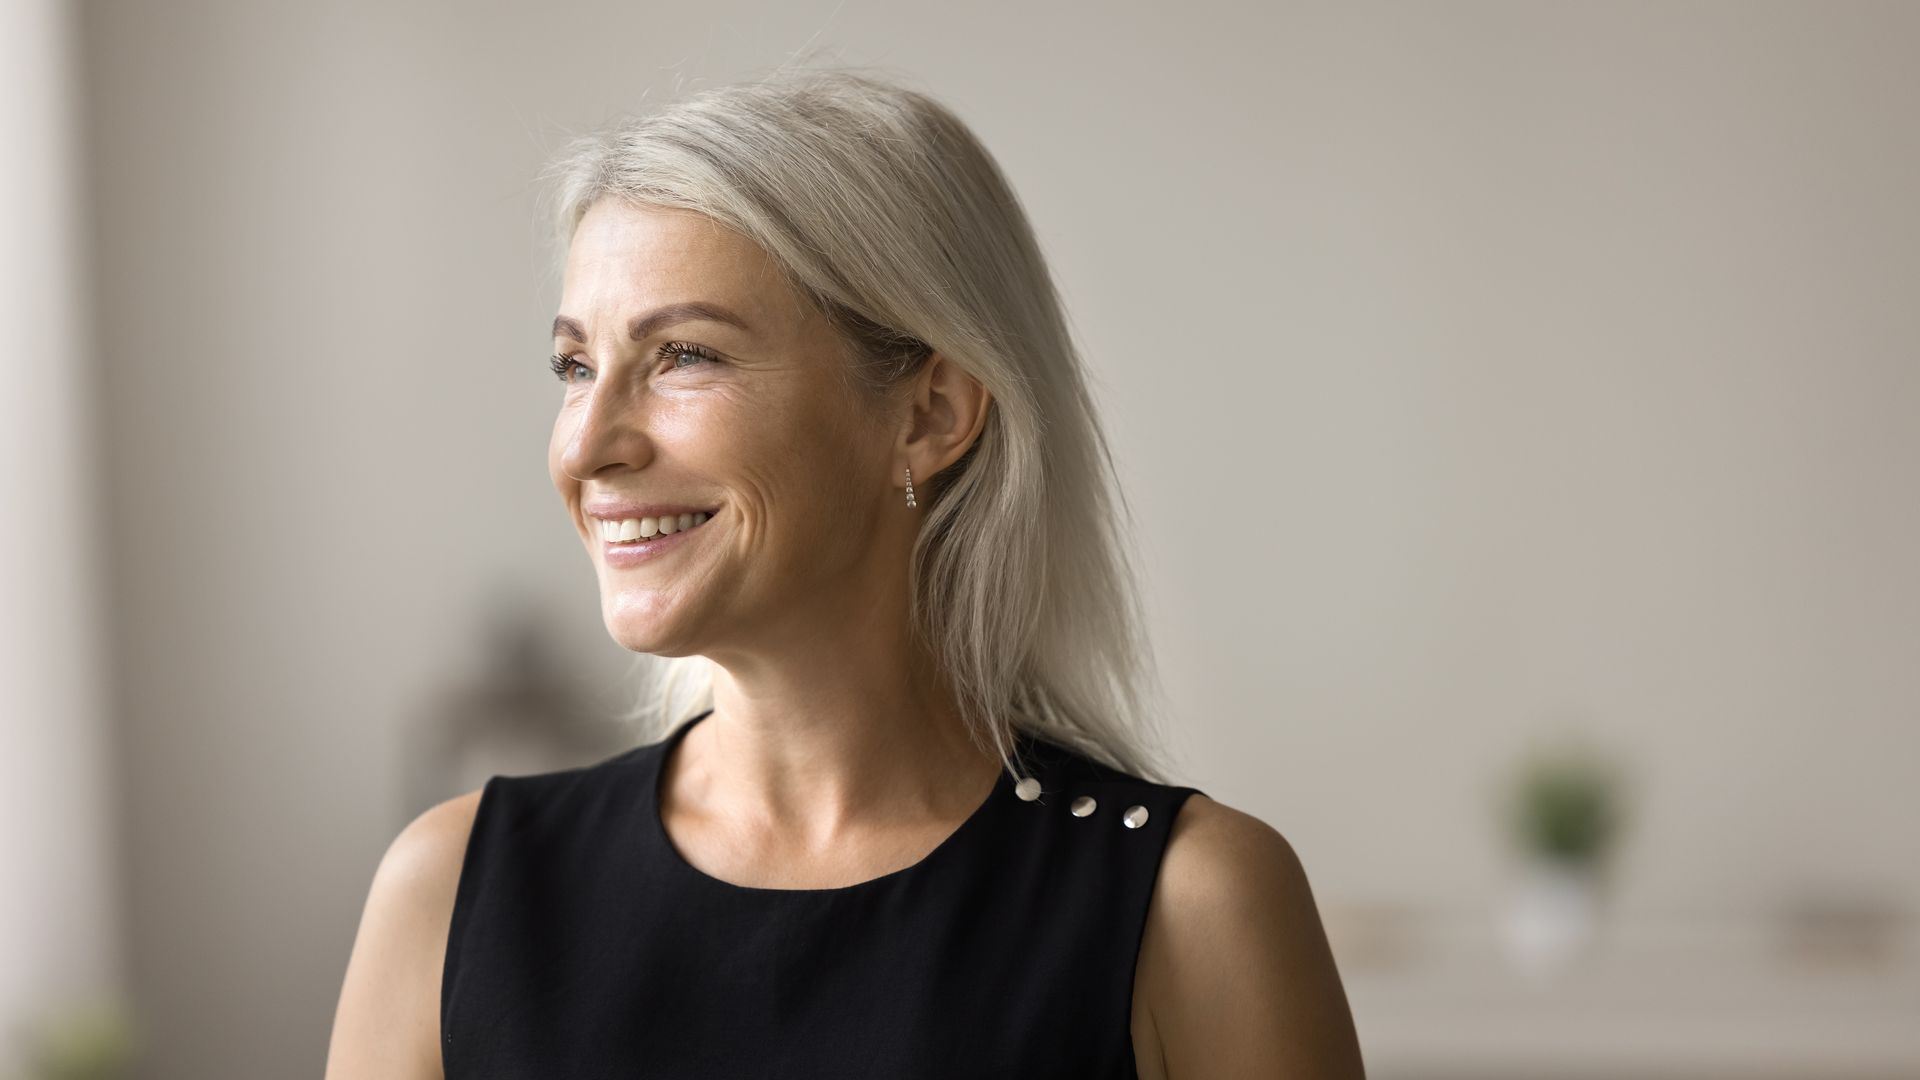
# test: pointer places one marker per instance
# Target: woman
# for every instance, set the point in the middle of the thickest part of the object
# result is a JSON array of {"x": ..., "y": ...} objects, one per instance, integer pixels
[{"x": 825, "y": 437}]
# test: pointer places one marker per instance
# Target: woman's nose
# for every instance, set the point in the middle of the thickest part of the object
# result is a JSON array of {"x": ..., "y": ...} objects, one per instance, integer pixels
[{"x": 610, "y": 430}]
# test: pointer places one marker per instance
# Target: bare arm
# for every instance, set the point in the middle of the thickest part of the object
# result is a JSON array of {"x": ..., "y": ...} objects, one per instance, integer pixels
[
  {"x": 387, "y": 1025},
  {"x": 1235, "y": 970}
]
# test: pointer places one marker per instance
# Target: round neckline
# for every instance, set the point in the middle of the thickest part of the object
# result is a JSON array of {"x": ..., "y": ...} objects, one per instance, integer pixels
[{"x": 657, "y": 825}]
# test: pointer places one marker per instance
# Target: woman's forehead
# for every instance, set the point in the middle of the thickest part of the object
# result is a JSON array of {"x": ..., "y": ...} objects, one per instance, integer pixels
[{"x": 632, "y": 257}]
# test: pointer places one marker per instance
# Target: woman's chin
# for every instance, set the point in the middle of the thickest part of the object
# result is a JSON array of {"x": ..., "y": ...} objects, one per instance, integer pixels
[
  {"x": 643, "y": 627},
  {"x": 643, "y": 640}
]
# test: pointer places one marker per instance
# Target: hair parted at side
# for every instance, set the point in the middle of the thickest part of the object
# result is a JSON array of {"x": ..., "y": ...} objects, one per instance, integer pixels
[{"x": 888, "y": 214}]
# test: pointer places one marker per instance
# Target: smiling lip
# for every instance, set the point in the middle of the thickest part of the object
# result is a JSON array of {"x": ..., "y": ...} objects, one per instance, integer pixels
[{"x": 621, "y": 553}]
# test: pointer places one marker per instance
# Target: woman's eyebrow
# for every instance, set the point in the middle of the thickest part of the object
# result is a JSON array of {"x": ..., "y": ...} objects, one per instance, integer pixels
[{"x": 641, "y": 327}]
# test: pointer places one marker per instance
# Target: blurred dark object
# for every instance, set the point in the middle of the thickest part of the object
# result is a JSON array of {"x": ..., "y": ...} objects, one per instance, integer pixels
[
  {"x": 522, "y": 716},
  {"x": 1828, "y": 930}
]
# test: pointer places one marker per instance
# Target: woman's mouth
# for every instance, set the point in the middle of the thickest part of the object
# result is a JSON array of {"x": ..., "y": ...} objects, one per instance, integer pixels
[
  {"x": 643, "y": 530},
  {"x": 632, "y": 540}
]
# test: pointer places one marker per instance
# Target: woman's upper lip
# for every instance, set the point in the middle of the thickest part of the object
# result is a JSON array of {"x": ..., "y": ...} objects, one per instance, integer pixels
[{"x": 621, "y": 510}]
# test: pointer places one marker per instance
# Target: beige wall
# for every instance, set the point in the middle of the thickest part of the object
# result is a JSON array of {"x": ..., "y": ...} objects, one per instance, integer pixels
[{"x": 1477, "y": 368}]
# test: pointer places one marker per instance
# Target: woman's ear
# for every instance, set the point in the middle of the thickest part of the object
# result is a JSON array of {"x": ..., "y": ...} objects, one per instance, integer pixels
[{"x": 949, "y": 410}]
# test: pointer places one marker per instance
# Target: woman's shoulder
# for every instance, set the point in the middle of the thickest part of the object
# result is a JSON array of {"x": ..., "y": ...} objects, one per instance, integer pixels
[
  {"x": 1208, "y": 838},
  {"x": 389, "y": 1009},
  {"x": 1209, "y": 842},
  {"x": 1234, "y": 960},
  {"x": 1219, "y": 854},
  {"x": 416, "y": 880}
]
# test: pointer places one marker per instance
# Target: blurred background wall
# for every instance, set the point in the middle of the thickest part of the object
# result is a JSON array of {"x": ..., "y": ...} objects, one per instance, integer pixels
[
  {"x": 60, "y": 888},
  {"x": 1490, "y": 376}
]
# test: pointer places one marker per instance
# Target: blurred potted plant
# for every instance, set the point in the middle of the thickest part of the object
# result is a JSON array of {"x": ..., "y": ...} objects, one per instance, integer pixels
[{"x": 1564, "y": 812}]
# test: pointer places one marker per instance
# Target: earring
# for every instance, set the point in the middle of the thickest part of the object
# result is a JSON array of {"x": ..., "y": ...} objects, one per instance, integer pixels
[{"x": 910, "y": 501}]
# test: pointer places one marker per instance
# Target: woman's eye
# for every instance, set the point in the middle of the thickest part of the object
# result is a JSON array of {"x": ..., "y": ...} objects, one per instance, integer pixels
[{"x": 672, "y": 351}]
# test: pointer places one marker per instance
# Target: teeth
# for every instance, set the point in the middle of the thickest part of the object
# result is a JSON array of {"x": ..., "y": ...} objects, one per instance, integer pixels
[{"x": 647, "y": 528}]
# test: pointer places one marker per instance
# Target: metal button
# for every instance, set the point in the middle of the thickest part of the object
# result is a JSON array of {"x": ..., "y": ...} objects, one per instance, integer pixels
[
  {"x": 1135, "y": 816},
  {"x": 1083, "y": 806},
  {"x": 1028, "y": 789}
]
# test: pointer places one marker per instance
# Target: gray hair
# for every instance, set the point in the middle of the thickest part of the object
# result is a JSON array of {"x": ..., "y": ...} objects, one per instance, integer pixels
[{"x": 887, "y": 213}]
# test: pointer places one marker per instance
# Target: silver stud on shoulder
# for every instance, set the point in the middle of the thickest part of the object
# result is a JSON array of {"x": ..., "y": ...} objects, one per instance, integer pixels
[
  {"x": 1084, "y": 805},
  {"x": 1028, "y": 789},
  {"x": 1135, "y": 816}
]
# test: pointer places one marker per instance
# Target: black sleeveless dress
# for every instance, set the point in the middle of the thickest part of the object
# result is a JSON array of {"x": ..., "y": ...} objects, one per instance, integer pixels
[{"x": 583, "y": 946}]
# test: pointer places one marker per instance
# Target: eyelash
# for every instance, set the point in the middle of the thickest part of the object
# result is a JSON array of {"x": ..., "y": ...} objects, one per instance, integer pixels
[{"x": 563, "y": 365}]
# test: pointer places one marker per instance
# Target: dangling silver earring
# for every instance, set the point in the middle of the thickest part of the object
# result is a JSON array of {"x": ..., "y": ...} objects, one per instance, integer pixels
[{"x": 910, "y": 501}]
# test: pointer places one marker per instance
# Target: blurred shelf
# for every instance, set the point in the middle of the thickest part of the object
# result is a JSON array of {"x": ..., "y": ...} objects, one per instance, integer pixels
[{"x": 1669, "y": 1000}]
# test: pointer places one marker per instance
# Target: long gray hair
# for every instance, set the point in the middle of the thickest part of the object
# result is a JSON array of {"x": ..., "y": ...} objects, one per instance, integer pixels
[{"x": 889, "y": 215}]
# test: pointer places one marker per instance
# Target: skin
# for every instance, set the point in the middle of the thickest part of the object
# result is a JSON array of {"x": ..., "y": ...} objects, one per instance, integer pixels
[{"x": 835, "y": 753}]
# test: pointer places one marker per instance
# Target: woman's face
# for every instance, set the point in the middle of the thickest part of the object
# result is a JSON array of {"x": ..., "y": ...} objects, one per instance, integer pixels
[{"x": 751, "y": 420}]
